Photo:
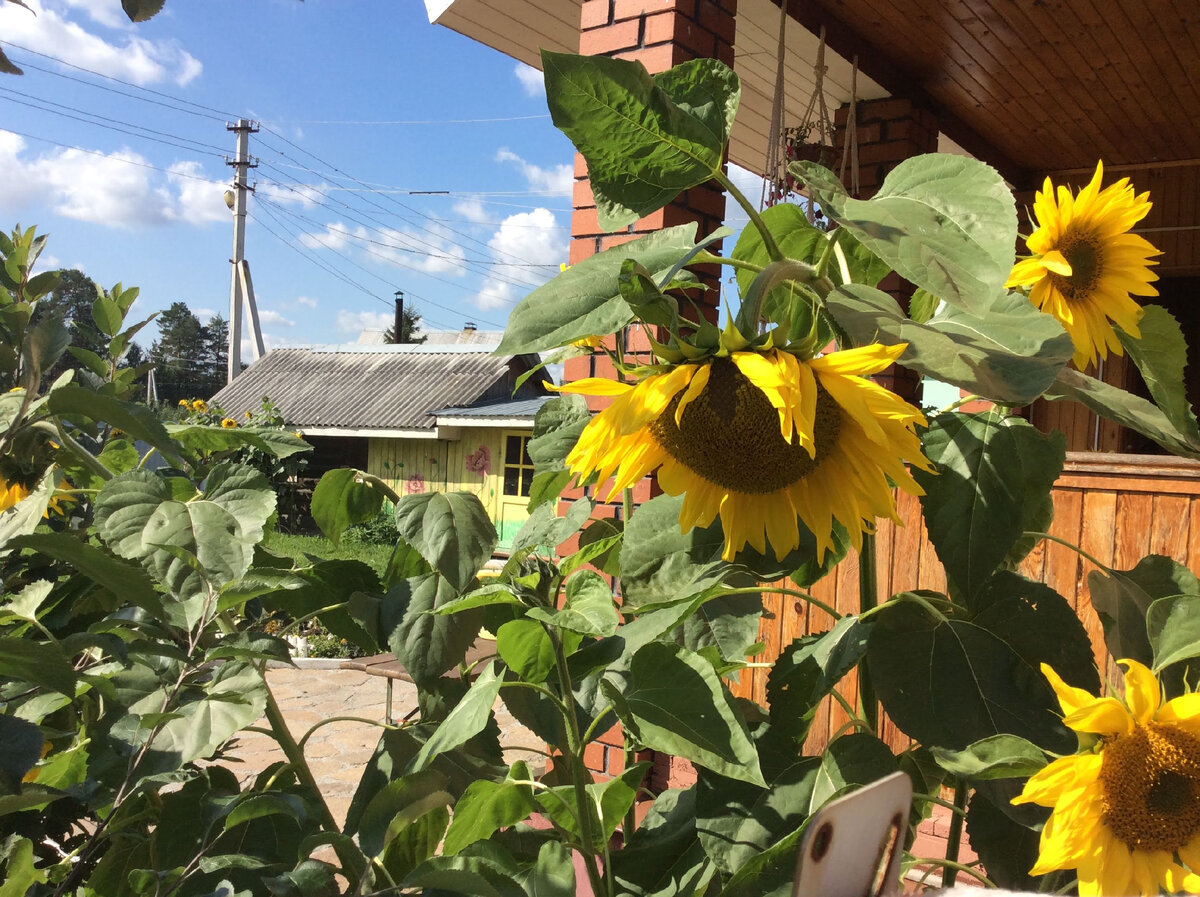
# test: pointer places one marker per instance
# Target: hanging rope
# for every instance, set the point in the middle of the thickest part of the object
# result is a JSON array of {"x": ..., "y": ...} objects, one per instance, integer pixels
[
  {"x": 774, "y": 171},
  {"x": 850, "y": 143}
]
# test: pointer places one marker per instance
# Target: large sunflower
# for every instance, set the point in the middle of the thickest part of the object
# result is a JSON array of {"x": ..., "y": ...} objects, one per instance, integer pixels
[
  {"x": 760, "y": 438},
  {"x": 1126, "y": 809},
  {"x": 1086, "y": 266}
]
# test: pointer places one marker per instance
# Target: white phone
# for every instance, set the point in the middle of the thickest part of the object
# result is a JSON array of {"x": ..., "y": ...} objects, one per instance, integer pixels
[{"x": 853, "y": 845}]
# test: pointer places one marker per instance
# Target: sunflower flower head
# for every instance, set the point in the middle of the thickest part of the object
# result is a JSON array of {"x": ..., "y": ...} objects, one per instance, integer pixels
[
  {"x": 1126, "y": 811},
  {"x": 11, "y": 492},
  {"x": 199, "y": 405},
  {"x": 228, "y": 423},
  {"x": 761, "y": 438},
  {"x": 1086, "y": 266}
]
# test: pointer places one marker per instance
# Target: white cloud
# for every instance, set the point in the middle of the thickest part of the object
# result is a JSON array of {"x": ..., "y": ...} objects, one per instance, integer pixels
[
  {"x": 116, "y": 189},
  {"x": 472, "y": 210},
  {"x": 306, "y": 302},
  {"x": 523, "y": 239},
  {"x": 208, "y": 313},
  {"x": 355, "y": 322},
  {"x": 103, "y": 12},
  {"x": 431, "y": 250},
  {"x": 307, "y": 195},
  {"x": 273, "y": 318},
  {"x": 556, "y": 181},
  {"x": 133, "y": 58},
  {"x": 531, "y": 80}
]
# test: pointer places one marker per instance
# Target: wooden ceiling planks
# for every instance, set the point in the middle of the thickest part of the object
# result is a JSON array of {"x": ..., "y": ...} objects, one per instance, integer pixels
[{"x": 1051, "y": 85}]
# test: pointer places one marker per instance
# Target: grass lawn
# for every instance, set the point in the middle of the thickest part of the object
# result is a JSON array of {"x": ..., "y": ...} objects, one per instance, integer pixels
[{"x": 298, "y": 546}]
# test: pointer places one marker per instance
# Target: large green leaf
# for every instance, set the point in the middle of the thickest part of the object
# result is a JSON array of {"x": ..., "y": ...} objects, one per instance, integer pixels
[
  {"x": 675, "y": 702},
  {"x": 585, "y": 300},
  {"x": 197, "y": 438},
  {"x": 526, "y": 649},
  {"x": 26, "y": 515},
  {"x": 450, "y": 530},
  {"x": 736, "y": 820},
  {"x": 38, "y": 663},
  {"x": 646, "y": 139},
  {"x": 588, "y": 608},
  {"x": 340, "y": 501},
  {"x": 1124, "y": 408},
  {"x": 489, "y": 806},
  {"x": 664, "y": 855},
  {"x": 127, "y": 581},
  {"x": 399, "y": 804},
  {"x": 236, "y": 697},
  {"x": 554, "y": 873},
  {"x": 946, "y": 223},
  {"x": 464, "y": 722},
  {"x": 660, "y": 563},
  {"x": 20, "y": 749},
  {"x": 798, "y": 239},
  {"x": 973, "y": 683},
  {"x": 138, "y": 421},
  {"x": 1008, "y": 850},
  {"x": 727, "y": 623},
  {"x": 606, "y": 802},
  {"x": 995, "y": 757},
  {"x": 1005, "y": 349},
  {"x": 809, "y": 669},
  {"x": 142, "y": 10},
  {"x": 993, "y": 473},
  {"x": 1039, "y": 624},
  {"x": 1173, "y": 626},
  {"x": 139, "y": 518},
  {"x": 427, "y": 644},
  {"x": 1161, "y": 355},
  {"x": 851, "y": 760},
  {"x": 1122, "y": 599}
]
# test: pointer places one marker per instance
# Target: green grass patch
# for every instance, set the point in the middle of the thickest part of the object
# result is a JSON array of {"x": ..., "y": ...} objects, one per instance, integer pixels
[{"x": 371, "y": 553}]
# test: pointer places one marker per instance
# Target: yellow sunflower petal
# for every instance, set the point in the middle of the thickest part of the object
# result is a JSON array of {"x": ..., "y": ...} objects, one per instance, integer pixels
[
  {"x": 1142, "y": 693},
  {"x": 593, "y": 386},
  {"x": 1047, "y": 785},
  {"x": 1183, "y": 711},
  {"x": 1055, "y": 262},
  {"x": 1070, "y": 698},
  {"x": 1104, "y": 716}
]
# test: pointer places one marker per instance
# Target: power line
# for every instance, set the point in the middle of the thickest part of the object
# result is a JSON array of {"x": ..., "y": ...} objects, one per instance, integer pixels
[
  {"x": 206, "y": 147},
  {"x": 100, "y": 124},
  {"x": 157, "y": 93}
]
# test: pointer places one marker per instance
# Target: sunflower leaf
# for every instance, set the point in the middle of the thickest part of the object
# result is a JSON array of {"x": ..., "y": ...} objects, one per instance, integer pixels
[
  {"x": 585, "y": 300},
  {"x": 675, "y": 702},
  {"x": 1123, "y": 598},
  {"x": 974, "y": 683},
  {"x": 993, "y": 473},
  {"x": 645, "y": 138},
  {"x": 1173, "y": 625},
  {"x": 1008, "y": 352},
  {"x": 995, "y": 757},
  {"x": 1160, "y": 356},
  {"x": 1122, "y": 407},
  {"x": 1008, "y": 850},
  {"x": 946, "y": 223}
]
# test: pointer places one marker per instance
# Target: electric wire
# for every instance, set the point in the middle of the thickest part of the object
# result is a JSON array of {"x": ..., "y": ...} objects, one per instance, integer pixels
[{"x": 114, "y": 158}]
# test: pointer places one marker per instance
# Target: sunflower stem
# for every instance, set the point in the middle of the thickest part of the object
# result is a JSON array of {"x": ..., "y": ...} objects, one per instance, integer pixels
[
  {"x": 1083, "y": 554},
  {"x": 954, "y": 835},
  {"x": 795, "y": 593},
  {"x": 868, "y": 597},
  {"x": 756, "y": 219},
  {"x": 707, "y": 258}
]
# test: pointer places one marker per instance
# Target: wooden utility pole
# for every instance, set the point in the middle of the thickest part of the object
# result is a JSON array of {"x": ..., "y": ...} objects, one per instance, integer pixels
[{"x": 241, "y": 288}]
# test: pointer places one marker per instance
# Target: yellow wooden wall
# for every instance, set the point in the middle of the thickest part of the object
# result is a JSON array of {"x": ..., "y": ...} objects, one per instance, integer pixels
[
  {"x": 436, "y": 465},
  {"x": 1117, "y": 508}
]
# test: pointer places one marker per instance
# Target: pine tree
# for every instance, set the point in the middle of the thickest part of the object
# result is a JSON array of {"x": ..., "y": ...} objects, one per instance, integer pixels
[{"x": 186, "y": 361}]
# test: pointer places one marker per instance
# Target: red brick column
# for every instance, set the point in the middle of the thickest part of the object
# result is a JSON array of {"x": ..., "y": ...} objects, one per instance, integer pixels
[
  {"x": 888, "y": 131},
  {"x": 659, "y": 34}
]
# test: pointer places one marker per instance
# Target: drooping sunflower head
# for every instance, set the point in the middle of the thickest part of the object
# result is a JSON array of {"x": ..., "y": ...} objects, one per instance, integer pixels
[
  {"x": 1126, "y": 811},
  {"x": 762, "y": 439},
  {"x": 1086, "y": 266},
  {"x": 228, "y": 423}
]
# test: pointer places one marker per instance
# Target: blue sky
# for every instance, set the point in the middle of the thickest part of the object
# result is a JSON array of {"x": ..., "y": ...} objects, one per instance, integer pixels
[{"x": 333, "y": 231}]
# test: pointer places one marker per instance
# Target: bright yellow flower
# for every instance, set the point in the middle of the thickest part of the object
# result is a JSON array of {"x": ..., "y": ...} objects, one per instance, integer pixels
[
  {"x": 1086, "y": 266},
  {"x": 11, "y": 492},
  {"x": 184, "y": 403},
  {"x": 228, "y": 423},
  {"x": 248, "y": 415},
  {"x": 589, "y": 342},
  {"x": 760, "y": 438},
  {"x": 200, "y": 405},
  {"x": 1127, "y": 810}
]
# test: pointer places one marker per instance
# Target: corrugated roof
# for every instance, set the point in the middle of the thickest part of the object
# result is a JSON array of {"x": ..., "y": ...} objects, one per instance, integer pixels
[
  {"x": 516, "y": 408},
  {"x": 364, "y": 387}
]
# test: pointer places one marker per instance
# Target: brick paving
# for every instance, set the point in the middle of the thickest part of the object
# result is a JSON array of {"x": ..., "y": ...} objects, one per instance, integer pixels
[{"x": 337, "y": 751}]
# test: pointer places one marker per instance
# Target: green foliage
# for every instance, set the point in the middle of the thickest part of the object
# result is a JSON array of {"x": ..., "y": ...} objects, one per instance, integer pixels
[{"x": 143, "y": 602}]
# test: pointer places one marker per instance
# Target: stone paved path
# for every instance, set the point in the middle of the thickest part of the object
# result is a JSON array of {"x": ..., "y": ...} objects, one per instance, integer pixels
[{"x": 337, "y": 752}]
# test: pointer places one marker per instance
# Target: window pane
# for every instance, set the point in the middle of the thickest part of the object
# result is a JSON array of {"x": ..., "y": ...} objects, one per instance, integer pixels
[
  {"x": 512, "y": 480},
  {"x": 526, "y": 481},
  {"x": 525, "y": 459},
  {"x": 512, "y": 450}
]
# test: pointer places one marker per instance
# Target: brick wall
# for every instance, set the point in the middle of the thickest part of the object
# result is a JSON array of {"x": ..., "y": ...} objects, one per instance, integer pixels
[{"x": 659, "y": 34}]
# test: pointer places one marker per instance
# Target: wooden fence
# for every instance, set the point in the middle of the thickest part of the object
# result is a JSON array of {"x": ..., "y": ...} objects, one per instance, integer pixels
[{"x": 1116, "y": 508}]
